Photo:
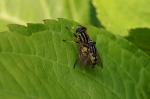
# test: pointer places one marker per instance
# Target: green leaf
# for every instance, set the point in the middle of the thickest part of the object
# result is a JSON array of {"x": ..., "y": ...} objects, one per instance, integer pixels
[
  {"x": 39, "y": 65},
  {"x": 21, "y": 12},
  {"x": 119, "y": 16},
  {"x": 141, "y": 38}
]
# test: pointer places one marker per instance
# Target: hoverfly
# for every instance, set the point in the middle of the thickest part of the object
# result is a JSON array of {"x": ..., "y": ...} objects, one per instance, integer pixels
[{"x": 87, "y": 48}]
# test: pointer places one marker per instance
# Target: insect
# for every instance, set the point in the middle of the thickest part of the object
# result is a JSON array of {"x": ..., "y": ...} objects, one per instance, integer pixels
[
  {"x": 87, "y": 52},
  {"x": 81, "y": 35},
  {"x": 88, "y": 55}
]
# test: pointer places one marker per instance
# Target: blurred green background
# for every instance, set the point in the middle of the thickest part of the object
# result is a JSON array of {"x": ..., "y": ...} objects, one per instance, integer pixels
[
  {"x": 25, "y": 11},
  {"x": 116, "y": 16}
]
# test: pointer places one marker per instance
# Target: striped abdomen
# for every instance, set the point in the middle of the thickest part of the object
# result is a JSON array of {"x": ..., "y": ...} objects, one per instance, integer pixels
[{"x": 93, "y": 53}]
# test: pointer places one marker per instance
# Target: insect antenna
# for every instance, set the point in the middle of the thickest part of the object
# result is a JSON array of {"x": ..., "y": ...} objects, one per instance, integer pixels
[
  {"x": 67, "y": 28},
  {"x": 69, "y": 41}
]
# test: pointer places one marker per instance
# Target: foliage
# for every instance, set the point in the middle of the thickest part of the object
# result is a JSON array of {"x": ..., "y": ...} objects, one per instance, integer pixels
[
  {"x": 25, "y": 11},
  {"x": 119, "y": 16},
  {"x": 36, "y": 64},
  {"x": 141, "y": 38}
]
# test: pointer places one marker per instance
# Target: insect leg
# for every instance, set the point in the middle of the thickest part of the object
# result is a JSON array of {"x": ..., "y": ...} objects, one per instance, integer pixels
[
  {"x": 101, "y": 63},
  {"x": 69, "y": 29},
  {"x": 75, "y": 35},
  {"x": 75, "y": 62}
]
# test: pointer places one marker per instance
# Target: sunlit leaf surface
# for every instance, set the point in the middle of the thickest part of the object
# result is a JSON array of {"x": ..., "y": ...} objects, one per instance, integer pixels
[
  {"x": 36, "y": 64},
  {"x": 119, "y": 16}
]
